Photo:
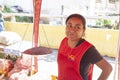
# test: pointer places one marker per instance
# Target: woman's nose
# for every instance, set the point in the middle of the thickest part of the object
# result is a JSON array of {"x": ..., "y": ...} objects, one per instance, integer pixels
[{"x": 73, "y": 29}]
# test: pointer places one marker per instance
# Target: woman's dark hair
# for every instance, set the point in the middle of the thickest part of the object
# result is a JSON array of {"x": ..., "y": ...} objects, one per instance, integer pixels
[{"x": 77, "y": 16}]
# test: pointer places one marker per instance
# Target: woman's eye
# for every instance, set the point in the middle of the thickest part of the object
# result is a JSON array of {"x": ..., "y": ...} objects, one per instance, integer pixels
[
  {"x": 69, "y": 26},
  {"x": 77, "y": 27}
]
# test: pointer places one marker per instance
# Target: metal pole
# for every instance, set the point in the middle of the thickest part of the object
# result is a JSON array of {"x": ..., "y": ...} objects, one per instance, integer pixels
[
  {"x": 37, "y": 9},
  {"x": 119, "y": 47},
  {"x": 117, "y": 61}
]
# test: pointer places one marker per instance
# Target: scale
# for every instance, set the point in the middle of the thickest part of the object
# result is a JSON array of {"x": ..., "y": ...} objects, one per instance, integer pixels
[{"x": 35, "y": 50}]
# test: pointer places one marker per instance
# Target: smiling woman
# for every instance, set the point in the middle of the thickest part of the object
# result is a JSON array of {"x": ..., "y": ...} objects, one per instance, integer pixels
[{"x": 77, "y": 56}]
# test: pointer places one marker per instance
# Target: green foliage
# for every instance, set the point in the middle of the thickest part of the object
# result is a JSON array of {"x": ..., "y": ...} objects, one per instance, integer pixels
[
  {"x": 104, "y": 23},
  {"x": 6, "y": 9},
  {"x": 24, "y": 19},
  {"x": 116, "y": 25},
  {"x": 113, "y": 1},
  {"x": 8, "y": 56},
  {"x": 99, "y": 22},
  {"x": 18, "y": 18}
]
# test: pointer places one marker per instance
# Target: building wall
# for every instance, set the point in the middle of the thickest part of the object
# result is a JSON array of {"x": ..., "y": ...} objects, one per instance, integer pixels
[{"x": 105, "y": 40}]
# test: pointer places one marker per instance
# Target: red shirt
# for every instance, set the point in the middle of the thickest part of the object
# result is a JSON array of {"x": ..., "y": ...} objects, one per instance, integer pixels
[{"x": 69, "y": 60}]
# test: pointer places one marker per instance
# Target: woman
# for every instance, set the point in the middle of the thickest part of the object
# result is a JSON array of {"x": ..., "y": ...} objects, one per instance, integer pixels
[{"x": 76, "y": 56}]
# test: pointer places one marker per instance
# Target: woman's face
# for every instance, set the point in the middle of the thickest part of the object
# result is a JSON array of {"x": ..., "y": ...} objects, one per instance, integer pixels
[{"x": 74, "y": 29}]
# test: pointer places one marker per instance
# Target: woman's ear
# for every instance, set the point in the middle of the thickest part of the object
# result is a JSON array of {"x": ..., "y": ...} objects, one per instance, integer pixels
[{"x": 83, "y": 35}]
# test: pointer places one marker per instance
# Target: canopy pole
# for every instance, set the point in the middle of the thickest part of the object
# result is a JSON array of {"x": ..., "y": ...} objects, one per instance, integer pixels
[
  {"x": 117, "y": 58},
  {"x": 37, "y": 9},
  {"x": 119, "y": 47}
]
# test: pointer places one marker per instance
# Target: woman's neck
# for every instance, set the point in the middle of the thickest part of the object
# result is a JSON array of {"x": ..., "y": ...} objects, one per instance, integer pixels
[{"x": 73, "y": 43}]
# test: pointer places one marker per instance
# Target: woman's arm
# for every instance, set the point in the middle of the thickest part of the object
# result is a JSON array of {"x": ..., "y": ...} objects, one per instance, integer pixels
[{"x": 106, "y": 69}]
